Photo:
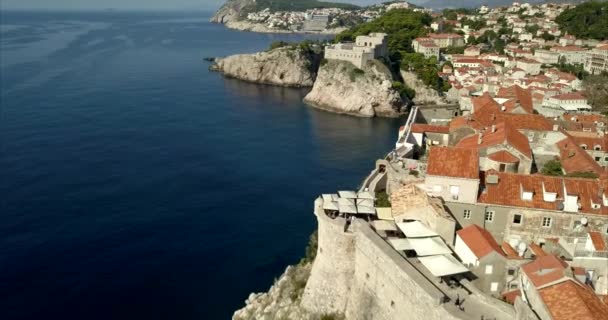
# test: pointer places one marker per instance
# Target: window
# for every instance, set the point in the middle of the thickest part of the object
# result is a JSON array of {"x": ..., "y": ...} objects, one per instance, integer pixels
[
  {"x": 517, "y": 218},
  {"x": 546, "y": 222},
  {"x": 489, "y": 269},
  {"x": 489, "y": 216},
  {"x": 511, "y": 271},
  {"x": 597, "y": 147},
  {"x": 598, "y": 158},
  {"x": 494, "y": 286},
  {"x": 606, "y": 159},
  {"x": 584, "y": 146},
  {"x": 466, "y": 214},
  {"x": 454, "y": 190}
]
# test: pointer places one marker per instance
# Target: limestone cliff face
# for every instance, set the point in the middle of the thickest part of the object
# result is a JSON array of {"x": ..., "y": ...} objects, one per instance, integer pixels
[
  {"x": 342, "y": 88},
  {"x": 232, "y": 11},
  {"x": 424, "y": 94},
  {"x": 287, "y": 66},
  {"x": 282, "y": 301}
]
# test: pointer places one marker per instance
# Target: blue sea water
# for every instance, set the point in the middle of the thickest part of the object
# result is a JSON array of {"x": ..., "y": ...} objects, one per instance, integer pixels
[{"x": 135, "y": 184}]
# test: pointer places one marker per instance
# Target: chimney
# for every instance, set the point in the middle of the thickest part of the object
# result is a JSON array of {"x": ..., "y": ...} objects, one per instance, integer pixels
[
  {"x": 493, "y": 128},
  {"x": 556, "y": 127},
  {"x": 480, "y": 138}
]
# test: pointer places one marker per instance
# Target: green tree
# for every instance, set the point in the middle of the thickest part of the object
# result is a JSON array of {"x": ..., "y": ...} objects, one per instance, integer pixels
[
  {"x": 586, "y": 20},
  {"x": 552, "y": 168}
]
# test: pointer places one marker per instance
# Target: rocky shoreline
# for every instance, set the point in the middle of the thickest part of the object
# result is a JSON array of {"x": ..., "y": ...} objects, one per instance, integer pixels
[
  {"x": 342, "y": 88},
  {"x": 289, "y": 66}
]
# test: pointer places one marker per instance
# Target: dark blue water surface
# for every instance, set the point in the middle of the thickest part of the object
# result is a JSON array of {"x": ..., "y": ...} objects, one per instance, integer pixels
[{"x": 135, "y": 184}]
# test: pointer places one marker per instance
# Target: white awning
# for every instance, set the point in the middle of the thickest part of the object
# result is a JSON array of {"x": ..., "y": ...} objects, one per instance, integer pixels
[
  {"x": 366, "y": 210},
  {"x": 347, "y": 205},
  {"x": 348, "y": 194},
  {"x": 383, "y": 225},
  {"x": 330, "y": 197},
  {"x": 385, "y": 213},
  {"x": 330, "y": 205},
  {"x": 365, "y": 195},
  {"x": 400, "y": 244},
  {"x": 443, "y": 265},
  {"x": 416, "y": 229},
  {"x": 429, "y": 246},
  {"x": 365, "y": 202}
]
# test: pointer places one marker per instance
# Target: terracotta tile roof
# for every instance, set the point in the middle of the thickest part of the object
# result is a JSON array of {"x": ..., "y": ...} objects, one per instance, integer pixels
[
  {"x": 503, "y": 156},
  {"x": 589, "y": 139},
  {"x": 507, "y": 192},
  {"x": 468, "y": 60},
  {"x": 509, "y": 251},
  {"x": 453, "y": 162},
  {"x": 570, "y": 96},
  {"x": 444, "y": 35},
  {"x": 544, "y": 270},
  {"x": 504, "y": 135},
  {"x": 579, "y": 271},
  {"x": 598, "y": 241},
  {"x": 511, "y": 296},
  {"x": 581, "y": 117},
  {"x": 567, "y": 48},
  {"x": 479, "y": 240},
  {"x": 522, "y": 96},
  {"x": 486, "y": 111},
  {"x": 575, "y": 159},
  {"x": 421, "y": 128},
  {"x": 571, "y": 299},
  {"x": 537, "y": 250}
]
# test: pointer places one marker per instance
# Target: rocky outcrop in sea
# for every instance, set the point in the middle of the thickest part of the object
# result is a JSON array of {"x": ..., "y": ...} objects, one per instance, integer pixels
[
  {"x": 288, "y": 66},
  {"x": 341, "y": 87}
]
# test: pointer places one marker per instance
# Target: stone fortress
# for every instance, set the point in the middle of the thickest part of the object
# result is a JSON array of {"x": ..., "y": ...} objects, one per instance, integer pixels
[{"x": 359, "y": 53}]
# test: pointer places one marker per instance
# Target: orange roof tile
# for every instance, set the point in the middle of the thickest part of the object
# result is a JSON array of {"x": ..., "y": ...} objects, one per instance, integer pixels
[
  {"x": 503, "y": 156},
  {"x": 503, "y": 134},
  {"x": 511, "y": 296},
  {"x": 453, "y": 162},
  {"x": 509, "y": 251},
  {"x": 598, "y": 241},
  {"x": 537, "y": 250},
  {"x": 507, "y": 192},
  {"x": 544, "y": 270},
  {"x": 575, "y": 159},
  {"x": 522, "y": 96},
  {"x": 421, "y": 128},
  {"x": 571, "y": 299},
  {"x": 479, "y": 240}
]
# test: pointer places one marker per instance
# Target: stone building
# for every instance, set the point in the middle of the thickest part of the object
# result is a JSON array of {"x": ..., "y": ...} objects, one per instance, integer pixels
[
  {"x": 426, "y": 46},
  {"x": 597, "y": 60},
  {"x": 365, "y": 49}
]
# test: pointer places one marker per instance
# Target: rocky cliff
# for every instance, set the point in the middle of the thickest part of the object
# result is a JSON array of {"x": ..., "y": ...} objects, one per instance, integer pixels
[
  {"x": 424, "y": 94},
  {"x": 232, "y": 10},
  {"x": 341, "y": 87},
  {"x": 287, "y": 66}
]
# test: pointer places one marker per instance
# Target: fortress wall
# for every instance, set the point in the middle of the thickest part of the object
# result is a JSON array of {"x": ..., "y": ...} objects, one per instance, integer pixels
[
  {"x": 330, "y": 281},
  {"x": 386, "y": 287}
]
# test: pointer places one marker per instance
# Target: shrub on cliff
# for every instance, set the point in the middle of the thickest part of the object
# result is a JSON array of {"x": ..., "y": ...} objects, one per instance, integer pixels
[{"x": 401, "y": 26}]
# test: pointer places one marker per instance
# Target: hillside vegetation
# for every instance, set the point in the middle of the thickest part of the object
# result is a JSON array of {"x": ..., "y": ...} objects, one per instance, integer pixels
[
  {"x": 586, "y": 20},
  {"x": 298, "y": 5},
  {"x": 402, "y": 26}
]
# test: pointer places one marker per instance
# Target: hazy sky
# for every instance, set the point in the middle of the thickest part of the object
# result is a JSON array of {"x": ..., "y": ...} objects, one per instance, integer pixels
[{"x": 125, "y": 4}]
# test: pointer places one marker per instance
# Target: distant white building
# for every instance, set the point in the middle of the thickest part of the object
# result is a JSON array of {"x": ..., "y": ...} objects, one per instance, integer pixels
[
  {"x": 597, "y": 60},
  {"x": 567, "y": 102},
  {"x": 426, "y": 46},
  {"x": 365, "y": 49}
]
